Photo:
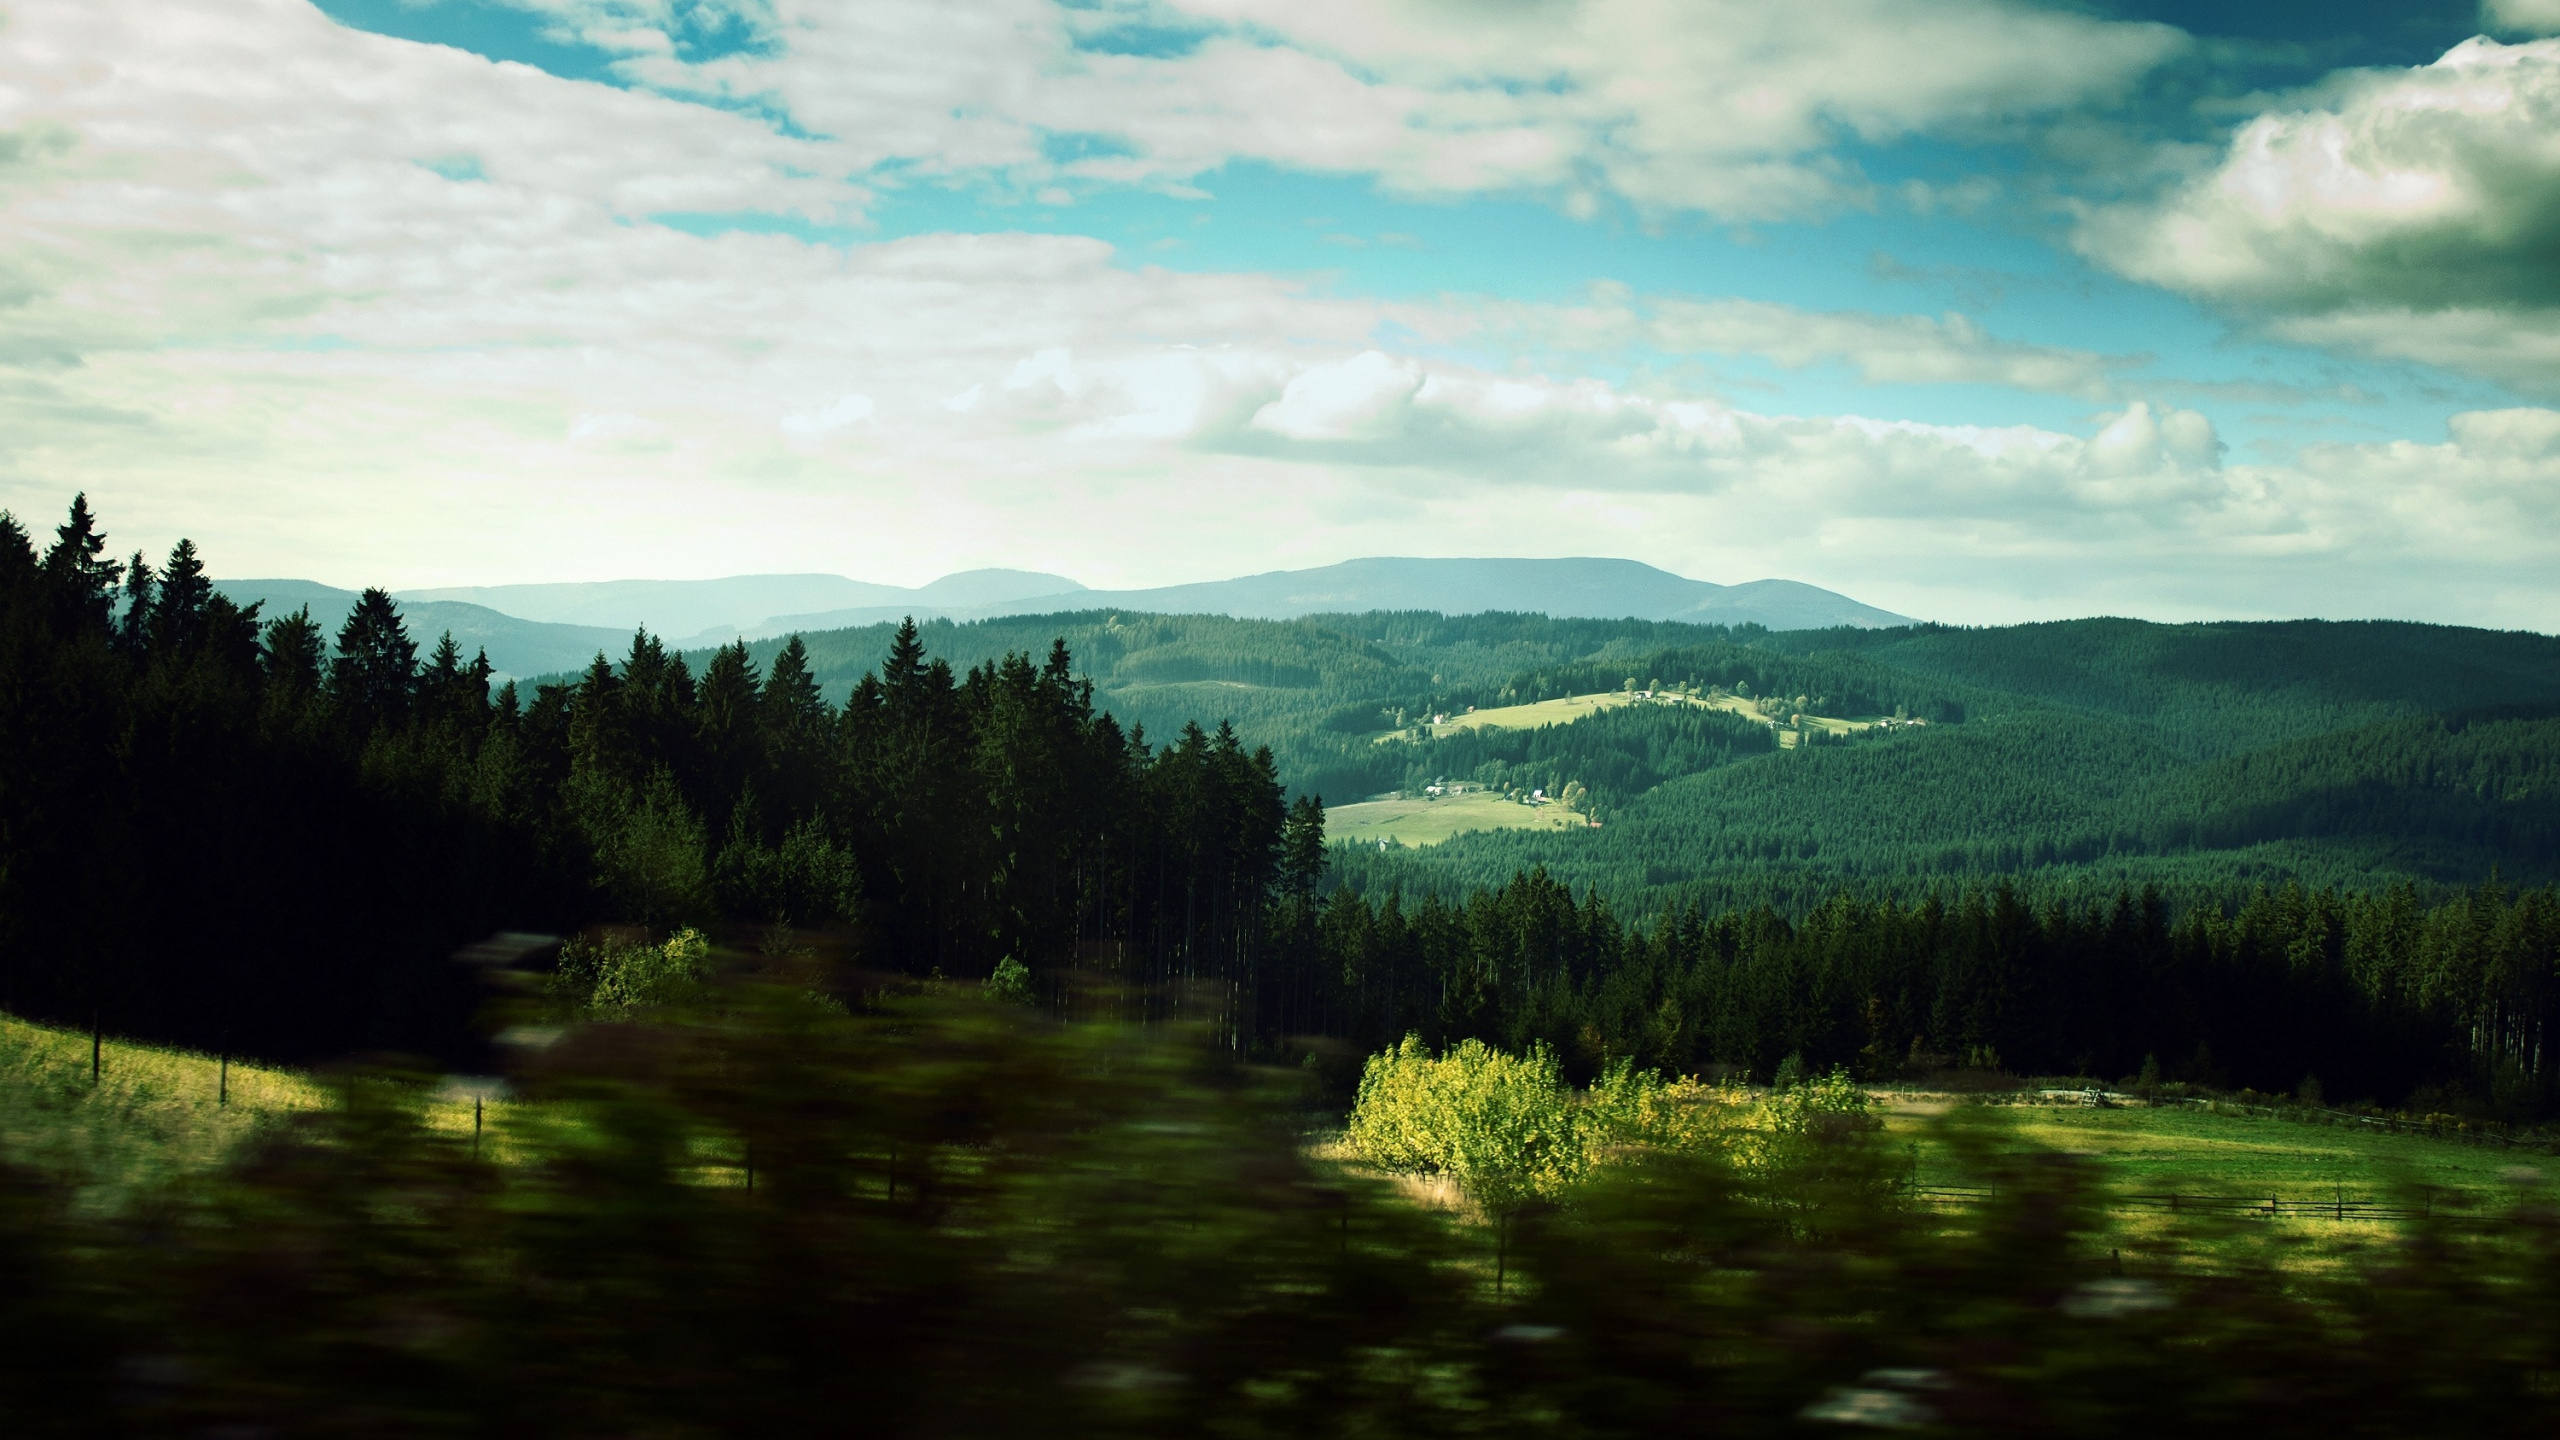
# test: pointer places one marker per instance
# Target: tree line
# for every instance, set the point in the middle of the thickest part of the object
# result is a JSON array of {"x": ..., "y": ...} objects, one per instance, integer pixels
[
  {"x": 2357, "y": 996},
  {"x": 229, "y": 830}
]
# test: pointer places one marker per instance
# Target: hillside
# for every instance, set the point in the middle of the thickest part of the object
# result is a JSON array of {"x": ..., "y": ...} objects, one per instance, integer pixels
[
  {"x": 1572, "y": 588},
  {"x": 710, "y": 612},
  {"x": 2082, "y": 755},
  {"x": 515, "y": 646}
]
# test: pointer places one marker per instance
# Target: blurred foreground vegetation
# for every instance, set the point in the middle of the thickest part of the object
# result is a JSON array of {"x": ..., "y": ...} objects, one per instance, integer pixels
[{"x": 773, "y": 1201}]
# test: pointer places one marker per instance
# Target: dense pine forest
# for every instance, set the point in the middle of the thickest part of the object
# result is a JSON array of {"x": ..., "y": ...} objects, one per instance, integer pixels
[
  {"x": 2247, "y": 854},
  {"x": 224, "y": 829},
  {"x": 2073, "y": 758}
]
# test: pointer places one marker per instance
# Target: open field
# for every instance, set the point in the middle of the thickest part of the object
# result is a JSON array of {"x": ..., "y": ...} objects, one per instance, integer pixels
[
  {"x": 1530, "y": 717},
  {"x": 153, "y": 1114},
  {"x": 1575, "y": 707},
  {"x": 1428, "y": 822},
  {"x": 2192, "y": 1150}
]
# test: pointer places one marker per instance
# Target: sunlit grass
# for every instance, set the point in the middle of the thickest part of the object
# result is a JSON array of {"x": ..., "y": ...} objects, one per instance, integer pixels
[
  {"x": 1428, "y": 822},
  {"x": 153, "y": 1115},
  {"x": 2192, "y": 1151}
]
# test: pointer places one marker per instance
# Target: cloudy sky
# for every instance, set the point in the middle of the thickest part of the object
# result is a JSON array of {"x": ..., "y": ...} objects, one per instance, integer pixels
[{"x": 1982, "y": 310}]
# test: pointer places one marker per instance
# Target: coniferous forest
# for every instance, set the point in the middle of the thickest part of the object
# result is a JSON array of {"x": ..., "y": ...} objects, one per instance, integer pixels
[
  {"x": 794, "y": 1131},
  {"x": 227, "y": 830}
]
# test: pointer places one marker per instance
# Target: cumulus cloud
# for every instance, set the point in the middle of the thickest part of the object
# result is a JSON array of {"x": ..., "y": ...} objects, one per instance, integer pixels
[
  {"x": 1731, "y": 107},
  {"x": 243, "y": 309},
  {"x": 1950, "y": 349},
  {"x": 2412, "y": 213},
  {"x": 2526, "y": 17}
]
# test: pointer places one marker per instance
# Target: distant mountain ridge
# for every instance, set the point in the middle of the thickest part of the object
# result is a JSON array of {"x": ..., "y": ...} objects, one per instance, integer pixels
[
  {"x": 691, "y": 610},
  {"x": 546, "y": 628},
  {"x": 515, "y": 646},
  {"x": 1581, "y": 588}
]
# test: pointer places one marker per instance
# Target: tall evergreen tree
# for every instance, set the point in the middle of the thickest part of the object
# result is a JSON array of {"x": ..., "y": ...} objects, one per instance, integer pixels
[
  {"x": 83, "y": 581},
  {"x": 374, "y": 675},
  {"x": 178, "y": 617}
]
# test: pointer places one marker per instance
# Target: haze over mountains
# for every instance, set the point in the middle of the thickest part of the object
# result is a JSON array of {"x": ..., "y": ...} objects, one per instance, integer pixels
[{"x": 537, "y": 629}]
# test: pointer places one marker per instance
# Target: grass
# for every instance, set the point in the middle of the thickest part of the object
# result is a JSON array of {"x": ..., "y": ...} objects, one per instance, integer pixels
[
  {"x": 1576, "y": 707},
  {"x": 1429, "y": 821},
  {"x": 153, "y": 1115},
  {"x": 157, "y": 1115},
  {"x": 1530, "y": 717},
  {"x": 2196, "y": 1151}
]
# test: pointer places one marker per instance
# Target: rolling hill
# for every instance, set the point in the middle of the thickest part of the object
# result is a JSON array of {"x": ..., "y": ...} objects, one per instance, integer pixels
[
  {"x": 755, "y": 607},
  {"x": 2077, "y": 755},
  {"x": 517, "y": 647}
]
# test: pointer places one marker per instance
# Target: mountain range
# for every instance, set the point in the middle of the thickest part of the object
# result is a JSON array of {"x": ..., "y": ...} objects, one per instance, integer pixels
[{"x": 546, "y": 628}]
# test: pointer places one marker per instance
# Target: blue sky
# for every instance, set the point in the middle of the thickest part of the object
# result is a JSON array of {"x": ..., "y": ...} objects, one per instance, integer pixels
[{"x": 1983, "y": 310}]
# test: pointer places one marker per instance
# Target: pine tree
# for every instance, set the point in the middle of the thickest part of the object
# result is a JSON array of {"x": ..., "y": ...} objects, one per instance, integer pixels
[
  {"x": 17, "y": 553},
  {"x": 178, "y": 619},
  {"x": 141, "y": 590},
  {"x": 792, "y": 704},
  {"x": 374, "y": 675},
  {"x": 83, "y": 583},
  {"x": 1302, "y": 857},
  {"x": 291, "y": 659}
]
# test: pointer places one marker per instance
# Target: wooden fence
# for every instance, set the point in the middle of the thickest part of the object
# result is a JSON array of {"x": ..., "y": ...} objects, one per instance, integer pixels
[{"x": 2337, "y": 1206}]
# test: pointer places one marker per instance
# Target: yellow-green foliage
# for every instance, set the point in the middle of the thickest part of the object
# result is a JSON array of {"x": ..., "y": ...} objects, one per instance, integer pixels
[
  {"x": 152, "y": 1114},
  {"x": 1803, "y": 1118},
  {"x": 1505, "y": 1127},
  {"x": 612, "y": 979},
  {"x": 1508, "y": 1129}
]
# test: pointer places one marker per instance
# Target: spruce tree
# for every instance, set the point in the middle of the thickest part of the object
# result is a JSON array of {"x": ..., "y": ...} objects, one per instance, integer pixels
[
  {"x": 17, "y": 553},
  {"x": 792, "y": 704},
  {"x": 291, "y": 658},
  {"x": 1302, "y": 858},
  {"x": 141, "y": 590},
  {"x": 374, "y": 675},
  {"x": 83, "y": 582},
  {"x": 178, "y": 619}
]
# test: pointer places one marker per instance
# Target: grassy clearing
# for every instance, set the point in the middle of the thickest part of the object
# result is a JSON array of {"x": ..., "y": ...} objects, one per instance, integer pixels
[
  {"x": 1430, "y": 821},
  {"x": 1576, "y": 707},
  {"x": 153, "y": 1114},
  {"x": 157, "y": 1115},
  {"x": 2192, "y": 1150},
  {"x": 1530, "y": 717}
]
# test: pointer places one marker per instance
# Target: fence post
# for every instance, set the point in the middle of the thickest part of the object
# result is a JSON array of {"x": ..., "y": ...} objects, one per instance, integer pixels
[{"x": 475, "y": 1127}]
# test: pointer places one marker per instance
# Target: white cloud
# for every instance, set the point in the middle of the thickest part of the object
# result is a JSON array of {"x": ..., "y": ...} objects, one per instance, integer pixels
[
  {"x": 847, "y": 410},
  {"x": 1342, "y": 399},
  {"x": 1949, "y": 349},
  {"x": 2527, "y": 17},
  {"x": 244, "y": 313},
  {"x": 2411, "y": 213},
  {"x": 1732, "y": 107}
]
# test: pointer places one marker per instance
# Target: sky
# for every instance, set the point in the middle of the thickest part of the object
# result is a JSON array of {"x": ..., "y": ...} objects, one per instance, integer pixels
[{"x": 1978, "y": 310}]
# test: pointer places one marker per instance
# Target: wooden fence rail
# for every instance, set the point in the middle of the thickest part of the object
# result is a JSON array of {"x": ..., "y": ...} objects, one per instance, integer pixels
[{"x": 2336, "y": 1207}]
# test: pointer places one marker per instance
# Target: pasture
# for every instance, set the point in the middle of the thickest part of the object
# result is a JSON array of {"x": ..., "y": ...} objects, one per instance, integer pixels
[
  {"x": 2201, "y": 1150},
  {"x": 1576, "y": 707},
  {"x": 152, "y": 1115},
  {"x": 1426, "y": 821}
]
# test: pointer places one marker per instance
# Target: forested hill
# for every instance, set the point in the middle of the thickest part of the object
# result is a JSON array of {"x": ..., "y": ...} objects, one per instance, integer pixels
[
  {"x": 2082, "y": 755},
  {"x": 228, "y": 829}
]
